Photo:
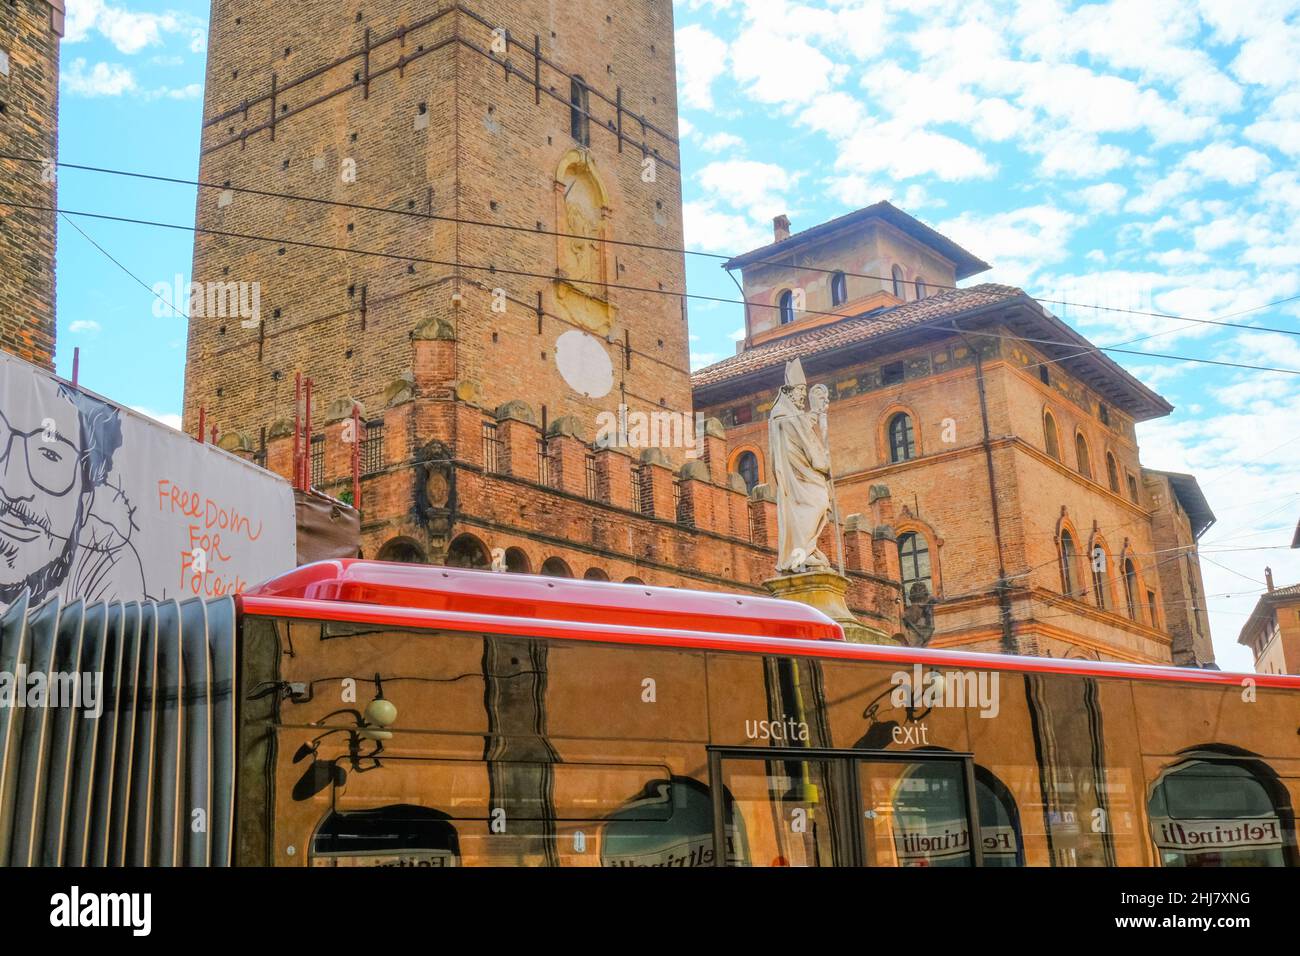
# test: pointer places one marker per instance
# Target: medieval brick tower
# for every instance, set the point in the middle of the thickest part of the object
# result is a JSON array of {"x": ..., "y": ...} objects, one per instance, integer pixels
[{"x": 29, "y": 109}]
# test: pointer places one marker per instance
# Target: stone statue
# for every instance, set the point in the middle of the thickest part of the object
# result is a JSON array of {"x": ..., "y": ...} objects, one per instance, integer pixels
[
  {"x": 918, "y": 619},
  {"x": 801, "y": 468}
]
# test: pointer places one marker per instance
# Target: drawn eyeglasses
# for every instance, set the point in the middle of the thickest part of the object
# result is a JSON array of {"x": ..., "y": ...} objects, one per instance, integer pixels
[{"x": 52, "y": 465}]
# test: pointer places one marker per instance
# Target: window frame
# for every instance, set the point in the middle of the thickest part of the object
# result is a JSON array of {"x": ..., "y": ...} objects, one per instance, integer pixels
[{"x": 910, "y": 445}]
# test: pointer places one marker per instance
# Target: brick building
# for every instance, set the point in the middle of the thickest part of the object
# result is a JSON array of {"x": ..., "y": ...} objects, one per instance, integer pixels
[
  {"x": 1272, "y": 632},
  {"x": 484, "y": 360},
  {"x": 29, "y": 109},
  {"x": 984, "y": 434}
]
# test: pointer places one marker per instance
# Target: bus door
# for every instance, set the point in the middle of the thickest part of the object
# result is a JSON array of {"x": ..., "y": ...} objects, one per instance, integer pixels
[{"x": 811, "y": 807}]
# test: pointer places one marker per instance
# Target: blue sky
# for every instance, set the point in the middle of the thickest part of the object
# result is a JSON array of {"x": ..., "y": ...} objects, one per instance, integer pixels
[{"x": 1137, "y": 155}]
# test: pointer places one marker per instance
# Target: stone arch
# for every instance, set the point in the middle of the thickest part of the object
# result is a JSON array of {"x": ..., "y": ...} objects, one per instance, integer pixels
[
  {"x": 1051, "y": 434},
  {"x": 734, "y": 463},
  {"x": 634, "y": 580},
  {"x": 882, "y": 433},
  {"x": 913, "y": 525},
  {"x": 1070, "y": 558},
  {"x": 1105, "y": 579},
  {"x": 468, "y": 551},
  {"x": 556, "y": 567},
  {"x": 584, "y": 228},
  {"x": 402, "y": 550},
  {"x": 517, "y": 561},
  {"x": 595, "y": 574}
]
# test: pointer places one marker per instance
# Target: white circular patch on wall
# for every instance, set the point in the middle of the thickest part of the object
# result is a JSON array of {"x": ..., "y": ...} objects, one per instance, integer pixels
[{"x": 584, "y": 363}]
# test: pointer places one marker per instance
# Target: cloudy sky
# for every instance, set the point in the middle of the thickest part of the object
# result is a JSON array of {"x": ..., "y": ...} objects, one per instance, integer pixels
[{"x": 1134, "y": 155}]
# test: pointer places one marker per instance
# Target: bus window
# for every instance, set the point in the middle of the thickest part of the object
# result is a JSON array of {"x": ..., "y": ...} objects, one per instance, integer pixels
[
  {"x": 915, "y": 814},
  {"x": 793, "y": 812},
  {"x": 1221, "y": 812},
  {"x": 387, "y": 836},
  {"x": 670, "y": 823}
]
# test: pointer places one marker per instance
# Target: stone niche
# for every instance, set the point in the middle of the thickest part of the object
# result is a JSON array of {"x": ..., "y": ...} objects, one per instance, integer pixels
[{"x": 582, "y": 215}]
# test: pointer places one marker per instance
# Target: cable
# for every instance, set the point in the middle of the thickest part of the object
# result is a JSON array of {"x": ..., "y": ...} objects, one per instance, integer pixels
[
  {"x": 111, "y": 258},
  {"x": 271, "y": 194},
  {"x": 494, "y": 270}
]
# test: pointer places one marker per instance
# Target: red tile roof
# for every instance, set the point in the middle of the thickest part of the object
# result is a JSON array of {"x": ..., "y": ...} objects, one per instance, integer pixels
[{"x": 941, "y": 305}]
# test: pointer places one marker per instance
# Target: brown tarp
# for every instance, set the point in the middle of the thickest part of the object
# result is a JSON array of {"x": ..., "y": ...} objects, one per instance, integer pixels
[{"x": 327, "y": 528}]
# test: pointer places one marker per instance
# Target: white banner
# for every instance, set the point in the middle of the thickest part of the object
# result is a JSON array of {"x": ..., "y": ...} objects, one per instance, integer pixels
[{"x": 101, "y": 503}]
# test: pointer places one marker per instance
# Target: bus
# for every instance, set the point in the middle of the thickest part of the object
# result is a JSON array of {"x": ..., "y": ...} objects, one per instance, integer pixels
[{"x": 358, "y": 713}]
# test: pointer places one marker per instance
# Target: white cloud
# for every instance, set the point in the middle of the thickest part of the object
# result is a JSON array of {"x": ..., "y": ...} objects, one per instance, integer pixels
[
  {"x": 711, "y": 230},
  {"x": 701, "y": 59},
  {"x": 103, "y": 79},
  {"x": 170, "y": 419},
  {"x": 760, "y": 189},
  {"x": 721, "y": 142},
  {"x": 1235, "y": 165},
  {"x": 128, "y": 31},
  {"x": 80, "y": 326},
  {"x": 1104, "y": 197},
  {"x": 1018, "y": 243}
]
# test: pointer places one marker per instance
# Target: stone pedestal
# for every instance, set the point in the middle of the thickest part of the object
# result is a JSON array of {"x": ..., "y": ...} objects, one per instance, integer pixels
[{"x": 825, "y": 590}]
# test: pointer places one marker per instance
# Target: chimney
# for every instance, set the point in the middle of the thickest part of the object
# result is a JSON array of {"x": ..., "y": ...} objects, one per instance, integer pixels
[
  {"x": 781, "y": 227},
  {"x": 1268, "y": 579}
]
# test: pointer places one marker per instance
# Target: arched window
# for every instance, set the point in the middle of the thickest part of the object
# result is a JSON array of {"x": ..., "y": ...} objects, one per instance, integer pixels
[
  {"x": 1081, "y": 455},
  {"x": 786, "y": 303},
  {"x": 1050, "y": 439},
  {"x": 402, "y": 551},
  {"x": 902, "y": 438},
  {"x": 1100, "y": 574},
  {"x": 1068, "y": 559},
  {"x": 556, "y": 568},
  {"x": 899, "y": 290},
  {"x": 920, "y": 288},
  {"x": 1130, "y": 587},
  {"x": 1196, "y": 801},
  {"x": 579, "y": 108},
  {"x": 747, "y": 467},
  {"x": 468, "y": 551},
  {"x": 517, "y": 561},
  {"x": 1112, "y": 473},
  {"x": 595, "y": 574},
  {"x": 914, "y": 563},
  {"x": 839, "y": 289}
]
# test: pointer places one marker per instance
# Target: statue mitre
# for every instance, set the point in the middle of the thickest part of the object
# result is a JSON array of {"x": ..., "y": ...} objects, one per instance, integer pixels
[{"x": 794, "y": 376}]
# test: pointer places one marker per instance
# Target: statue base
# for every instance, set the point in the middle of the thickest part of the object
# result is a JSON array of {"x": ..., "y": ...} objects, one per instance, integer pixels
[{"x": 826, "y": 590}]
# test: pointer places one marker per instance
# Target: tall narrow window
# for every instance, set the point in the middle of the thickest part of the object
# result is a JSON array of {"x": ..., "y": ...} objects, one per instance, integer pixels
[
  {"x": 914, "y": 563},
  {"x": 786, "y": 303},
  {"x": 899, "y": 290},
  {"x": 1130, "y": 587},
  {"x": 920, "y": 288},
  {"x": 1050, "y": 440},
  {"x": 1099, "y": 575},
  {"x": 747, "y": 466},
  {"x": 1081, "y": 454},
  {"x": 1151, "y": 607},
  {"x": 1067, "y": 564},
  {"x": 839, "y": 289},
  {"x": 1112, "y": 473},
  {"x": 579, "y": 108},
  {"x": 1133, "y": 488},
  {"x": 902, "y": 438}
]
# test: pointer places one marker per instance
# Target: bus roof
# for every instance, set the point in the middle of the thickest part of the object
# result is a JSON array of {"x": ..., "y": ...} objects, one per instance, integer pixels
[
  {"x": 435, "y": 588},
  {"x": 430, "y": 597}
]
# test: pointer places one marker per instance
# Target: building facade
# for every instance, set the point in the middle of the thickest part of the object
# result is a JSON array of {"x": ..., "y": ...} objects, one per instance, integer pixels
[
  {"x": 1272, "y": 632},
  {"x": 29, "y": 110},
  {"x": 478, "y": 281},
  {"x": 995, "y": 445}
]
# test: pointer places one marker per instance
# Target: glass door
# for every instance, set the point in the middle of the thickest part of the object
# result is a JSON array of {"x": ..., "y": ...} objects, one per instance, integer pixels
[{"x": 917, "y": 812}]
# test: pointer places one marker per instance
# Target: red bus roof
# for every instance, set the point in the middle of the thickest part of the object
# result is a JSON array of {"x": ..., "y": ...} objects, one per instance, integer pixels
[
  {"x": 429, "y": 597},
  {"x": 434, "y": 588}
]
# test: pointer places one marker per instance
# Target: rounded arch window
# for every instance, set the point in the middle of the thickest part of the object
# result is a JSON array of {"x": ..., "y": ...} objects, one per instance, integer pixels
[
  {"x": 914, "y": 565},
  {"x": 1081, "y": 455},
  {"x": 1099, "y": 574},
  {"x": 1051, "y": 441},
  {"x": 633, "y": 581},
  {"x": 595, "y": 574},
  {"x": 900, "y": 289},
  {"x": 468, "y": 551},
  {"x": 747, "y": 468},
  {"x": 1215, "y": 810},
  {"x": 902, "y": 438},
  {"x": 517, "y": 561},
  {"x": 1068, "y": 559},
  {"x": 1131, "y": 587},
  {"x": 402, "y": 551},
  {"x": 839, "y": 289},
  {"x": 786, "y": 306},
  {"x": 921, "y": 291},
  {"x": 1112, "y": 473},
  {"x": 556, "y": 568}
]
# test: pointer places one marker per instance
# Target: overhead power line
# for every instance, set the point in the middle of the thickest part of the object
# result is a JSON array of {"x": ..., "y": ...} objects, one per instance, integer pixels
[
  {"x": 495, "y": 270},
  {"x": 675, "y": 250}
]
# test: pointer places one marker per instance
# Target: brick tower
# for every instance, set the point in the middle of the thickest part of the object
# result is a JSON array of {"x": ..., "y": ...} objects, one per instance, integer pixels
[{"x": 29, "y": 110}]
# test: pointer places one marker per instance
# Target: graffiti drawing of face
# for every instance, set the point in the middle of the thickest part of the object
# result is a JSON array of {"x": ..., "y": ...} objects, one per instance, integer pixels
[{"x": 43, "y": 497}]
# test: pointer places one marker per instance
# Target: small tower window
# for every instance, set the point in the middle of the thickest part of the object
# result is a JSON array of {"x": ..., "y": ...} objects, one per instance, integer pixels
[
  {"x": 786, "y": 303},
  {"x": 839, "y": 289},
  {"x": 902, "y": 438},
  {"x": 579, "y": 108},
  {"x": 900, "y": 291},
  {"x": 920, "y": 288}
]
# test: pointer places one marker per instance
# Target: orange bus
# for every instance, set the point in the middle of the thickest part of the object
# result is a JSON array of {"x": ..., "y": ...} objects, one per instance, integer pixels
[{"x": 355, "y": 713}]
